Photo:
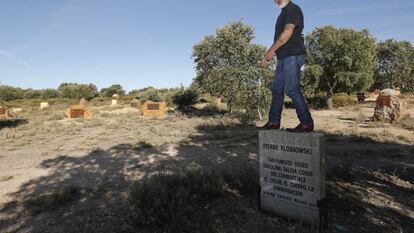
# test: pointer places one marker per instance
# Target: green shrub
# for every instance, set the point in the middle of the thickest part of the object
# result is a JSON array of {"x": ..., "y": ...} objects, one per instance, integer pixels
[
  {"x": 317, "y": 102},
  {"x": 50, "y": 93},
  {"x": 32, "y": 94},
  {"x": 78, "y": 91},
  {"x": 8, "y": 93},
  {"x": 24, "y": 103},
  {"x": 185, "y": 98},
  {"x": 111, "y": 90},
  {"x": 247, "y": 117},
  {"x": 147, "y": 94}
]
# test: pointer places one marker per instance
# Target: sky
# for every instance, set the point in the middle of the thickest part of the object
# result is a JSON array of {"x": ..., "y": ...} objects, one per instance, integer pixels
[{"x": 139, "y": 43}]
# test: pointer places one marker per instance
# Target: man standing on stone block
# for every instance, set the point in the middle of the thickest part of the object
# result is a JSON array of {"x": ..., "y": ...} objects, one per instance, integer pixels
[{"x": 290, "y": 50}]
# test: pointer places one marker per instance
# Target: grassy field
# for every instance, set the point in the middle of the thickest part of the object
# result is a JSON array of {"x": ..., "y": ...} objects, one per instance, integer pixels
[{"x": 121, "y": 172}]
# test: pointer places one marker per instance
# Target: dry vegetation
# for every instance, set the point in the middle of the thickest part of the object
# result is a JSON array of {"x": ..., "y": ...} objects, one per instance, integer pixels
[{"x": 121, "y": 172}]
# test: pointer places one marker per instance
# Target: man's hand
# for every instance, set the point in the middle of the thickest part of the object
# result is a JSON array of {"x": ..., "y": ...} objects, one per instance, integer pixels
[
  {"x": 268, "y": 58},
  {"x": 283, "y": 38},
  {"x": 270, "y": 55},
  {"x": 264, "y": 63}
]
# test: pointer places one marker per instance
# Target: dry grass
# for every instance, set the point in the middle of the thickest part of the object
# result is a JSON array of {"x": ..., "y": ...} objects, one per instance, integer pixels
[
  {"x": 408, "y": 123},
  {"x": 177, "y": 200},
  {"x": 5, "y": 178},
  {"x": 55, "y": 199},
  {"x": 201, "y": 140}
]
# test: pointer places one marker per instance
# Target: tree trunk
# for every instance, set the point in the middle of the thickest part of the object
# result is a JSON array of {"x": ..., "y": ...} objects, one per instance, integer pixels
[
  {"x": 329, "y": 100},
  {"x": 259, "y": 111}
]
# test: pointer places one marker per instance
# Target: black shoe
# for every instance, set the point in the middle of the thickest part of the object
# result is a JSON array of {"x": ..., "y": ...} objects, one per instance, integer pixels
[{"x": 302, "y": 128}]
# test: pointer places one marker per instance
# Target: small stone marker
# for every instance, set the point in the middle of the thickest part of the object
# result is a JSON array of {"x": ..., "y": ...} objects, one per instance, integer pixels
[
  {"x": 76, "y": 112},
  {"x": 79, "y": 111},
  {"x": 2, "y": 110},
  {"x": 4, "y": 114},
  {"x": 44, "y": 105},
  {"x": 292, "y": 176},
  {"x": 135, "y": 103},
  {"x": 83, "y": 102},
  {"x": 115, "y": 99},
  {"x": 16, "y": 110},
  {"x": 154, "y": 109}
]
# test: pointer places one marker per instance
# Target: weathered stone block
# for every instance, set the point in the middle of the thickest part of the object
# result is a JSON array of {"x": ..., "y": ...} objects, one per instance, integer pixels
[
  {"x": 292, "y": 175},
  {"x": 154, "y": 109}
]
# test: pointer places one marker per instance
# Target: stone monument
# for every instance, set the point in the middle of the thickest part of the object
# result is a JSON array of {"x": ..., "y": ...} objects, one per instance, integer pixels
[
  {"x": 135, "y": 103},
  {"x": 79, "y": 111},
  {"x": 4, "y": 114},
  {"x": 44, "y": 105},
  {"x": 154, "y": 109},
  {"x": 389, "y": 108},
  {"x": 292, "y": 176},
  {"x": 115, "y": 99}
]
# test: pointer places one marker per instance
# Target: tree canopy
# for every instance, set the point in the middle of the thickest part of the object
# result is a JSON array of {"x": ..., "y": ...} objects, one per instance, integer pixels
[
  {"x": 111, "y": 90},
  {"x": 339, "y": 60},
  {"x": 78, "y": 91},
  {"x": 227, "y": 67},
  {"x": 395, "y": 65}
]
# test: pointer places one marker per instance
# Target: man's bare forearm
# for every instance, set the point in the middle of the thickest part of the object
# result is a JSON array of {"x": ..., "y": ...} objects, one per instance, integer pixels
[
  {"x": 279, "y": 42},
  {"x": 283, "y": 38}
]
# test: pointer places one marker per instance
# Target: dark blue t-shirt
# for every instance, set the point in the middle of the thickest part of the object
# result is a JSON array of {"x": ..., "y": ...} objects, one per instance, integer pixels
[{"x": 291, "y": 14}]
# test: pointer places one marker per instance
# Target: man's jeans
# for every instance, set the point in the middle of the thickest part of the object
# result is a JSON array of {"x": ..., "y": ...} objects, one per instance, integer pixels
[{"x": 287, "y": 80}]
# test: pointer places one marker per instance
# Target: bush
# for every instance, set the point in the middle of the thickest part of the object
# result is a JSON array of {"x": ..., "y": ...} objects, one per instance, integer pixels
[
  {"x": 169, "y": 96},
  {"x": 8, "y": 93},
  {"x": 49, "y": 93},
  {"x": 247, "y": 180},
  {"x": 51, "y": 201},
  {"x": 147, "y": 94},
  {"x": 185, "y": 98},
  {"x": 62, "y": 102},
  {"x": 408, "y": 123},
  {"x": 32, "y": 94},
  {"x": 171, "y": 200},
  {"x": 111, "y": 90},
  {"x": 317, "y": 102},
  {"x": 343, "y": 100},
  {"x": 23, "y": 103},
  {"x": 247, "y": 117},
  {"x": 78, "y": 91}
]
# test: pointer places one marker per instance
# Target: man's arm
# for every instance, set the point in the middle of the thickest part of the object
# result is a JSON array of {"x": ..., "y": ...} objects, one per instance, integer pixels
[{"x": 283, "y": 38}]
